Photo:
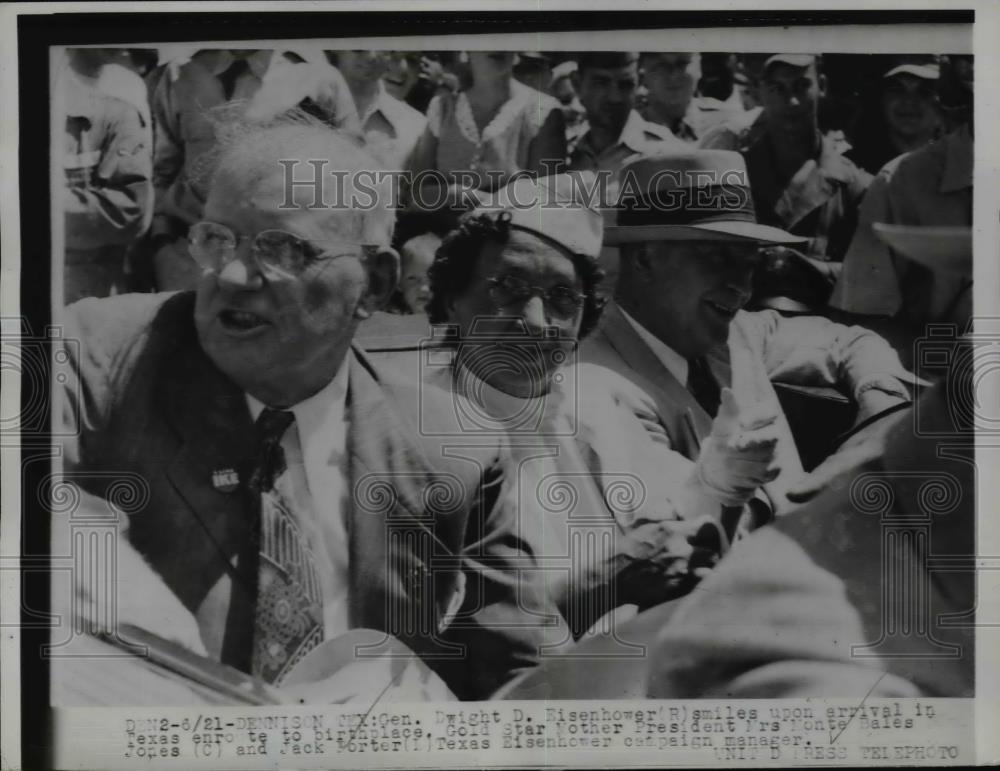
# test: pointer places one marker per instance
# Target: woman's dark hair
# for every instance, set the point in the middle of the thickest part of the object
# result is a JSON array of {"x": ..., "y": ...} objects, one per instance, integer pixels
[{"x": 454, "y": 266}]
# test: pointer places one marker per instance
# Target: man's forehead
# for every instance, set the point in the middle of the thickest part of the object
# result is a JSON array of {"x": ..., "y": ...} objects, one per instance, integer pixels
[
  {"x": 788, "y": 72},
  {"x": 699, "y": 248},
  {"x": 654, "y": 59},
  {"x": 612, "y": 73}
]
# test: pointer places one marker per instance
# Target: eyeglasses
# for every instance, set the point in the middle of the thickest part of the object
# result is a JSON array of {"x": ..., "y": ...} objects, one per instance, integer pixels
[
  {"x": 213, "y": 246},
  {"x": 510, "y": 290}
]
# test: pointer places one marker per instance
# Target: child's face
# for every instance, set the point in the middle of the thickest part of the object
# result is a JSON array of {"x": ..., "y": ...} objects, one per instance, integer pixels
[{"x": 417, "y": 256}]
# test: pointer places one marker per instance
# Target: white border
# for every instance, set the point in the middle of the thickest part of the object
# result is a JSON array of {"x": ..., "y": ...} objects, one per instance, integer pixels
[{"x": 811, "y": 39}]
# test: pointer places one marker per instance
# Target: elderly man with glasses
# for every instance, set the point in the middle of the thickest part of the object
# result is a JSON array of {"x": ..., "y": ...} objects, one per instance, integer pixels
[{"x": 291, "y": 496}]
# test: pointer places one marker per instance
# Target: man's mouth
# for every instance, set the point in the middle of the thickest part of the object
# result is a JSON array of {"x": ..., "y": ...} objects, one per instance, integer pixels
[
  {"x": 240, "y": 321},
  {"x": 728, "y": 312}
]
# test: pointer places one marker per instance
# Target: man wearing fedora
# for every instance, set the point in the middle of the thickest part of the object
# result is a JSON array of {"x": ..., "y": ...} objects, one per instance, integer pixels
[{"x": 690, "y": 243}]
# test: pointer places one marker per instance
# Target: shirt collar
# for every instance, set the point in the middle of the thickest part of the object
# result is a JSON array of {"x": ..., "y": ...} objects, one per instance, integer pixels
[
  {"x": 633, "y": 134},
  {"x": 312, "y": 413},
  {"x": 258, "y": 62},
  {"x": 958, "y": 161},
  {"x": 381, "y": 104},
  {"x": 675, "y": 363}
]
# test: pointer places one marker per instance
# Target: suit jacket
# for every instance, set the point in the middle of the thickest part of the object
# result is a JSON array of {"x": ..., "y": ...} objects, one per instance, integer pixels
[
  {"x": 762, "y": 347},
  {"x": 426, "y": 511}
]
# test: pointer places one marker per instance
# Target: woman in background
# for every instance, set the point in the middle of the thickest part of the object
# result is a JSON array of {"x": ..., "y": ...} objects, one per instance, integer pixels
[{"x": 480, "y": 136}]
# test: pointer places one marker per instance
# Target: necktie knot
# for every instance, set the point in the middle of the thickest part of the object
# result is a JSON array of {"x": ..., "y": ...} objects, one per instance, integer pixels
[
  {"x": 270, "y": 427},
  {"x": 272, "y": 424}
]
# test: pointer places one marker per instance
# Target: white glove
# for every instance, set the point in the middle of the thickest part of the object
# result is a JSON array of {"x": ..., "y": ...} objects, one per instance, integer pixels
[{"x": 739, "y": 455}]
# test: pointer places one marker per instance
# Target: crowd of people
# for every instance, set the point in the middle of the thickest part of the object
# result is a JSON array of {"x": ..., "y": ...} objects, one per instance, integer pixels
[{"x": 606, "y": 259}]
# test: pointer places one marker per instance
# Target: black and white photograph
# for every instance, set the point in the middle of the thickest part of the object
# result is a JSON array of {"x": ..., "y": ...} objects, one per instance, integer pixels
[{"x": 381, "y": 393}]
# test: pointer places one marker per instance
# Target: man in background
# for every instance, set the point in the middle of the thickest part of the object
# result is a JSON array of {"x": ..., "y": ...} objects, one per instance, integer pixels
[
  {"x": 107, "y": 200},
  {"x": 391, "y": 127},
  {"x": 799, "y": 178},
  {"x": 670, "y": 92},
  {"x": 615, "y": 131},
  {"x": 931, "y": 187}
]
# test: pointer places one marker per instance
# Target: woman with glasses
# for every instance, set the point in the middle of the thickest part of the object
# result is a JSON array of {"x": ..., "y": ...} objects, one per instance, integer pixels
[{"x": 513, "y": 289}]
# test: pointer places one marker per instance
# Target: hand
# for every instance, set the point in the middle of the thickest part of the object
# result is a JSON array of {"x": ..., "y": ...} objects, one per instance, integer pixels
[{"x": 739, "y": 455}]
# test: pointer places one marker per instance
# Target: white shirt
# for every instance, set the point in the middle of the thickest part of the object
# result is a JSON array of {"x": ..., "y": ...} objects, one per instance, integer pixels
[
  {"x": 315, "y": 447},
  {"x": 676, "y": 364}
]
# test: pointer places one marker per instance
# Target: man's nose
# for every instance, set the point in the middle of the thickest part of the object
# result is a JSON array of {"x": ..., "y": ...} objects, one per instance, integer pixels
[
  {"x": 617, "y": 95},
  {"x": 241, "y": 272},
  {"x": 794, "y": 101}
]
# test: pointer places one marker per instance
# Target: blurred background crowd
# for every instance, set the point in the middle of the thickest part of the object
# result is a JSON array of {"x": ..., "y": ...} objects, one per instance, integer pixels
[{"x": 821, "y": 136}]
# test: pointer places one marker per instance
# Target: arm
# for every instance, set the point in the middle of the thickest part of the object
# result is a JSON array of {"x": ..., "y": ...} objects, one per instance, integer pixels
[
  {"x": 423, "y": 158},
  {"x": 334, "y": 97},
  {"x": 98, "y": 349},
  {"x": 507, "y": 617},
  {"x": 114, "y": 207},
  {"x": 811, "y": 350},
  {"x": 168, "y": 156},
  {"x": 869, "y": 283}
]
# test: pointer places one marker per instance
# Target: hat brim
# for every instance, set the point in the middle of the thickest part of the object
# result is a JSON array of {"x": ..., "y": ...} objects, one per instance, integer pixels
[
  {"x": 947, "y": 249},
  {"x": 707, "y": 231}
]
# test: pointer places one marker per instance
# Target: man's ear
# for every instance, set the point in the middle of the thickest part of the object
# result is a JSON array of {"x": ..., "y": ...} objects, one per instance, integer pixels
[
  {"x": 638, "y": 255},
  {"x": 383, "y": 277},
  {"x": 821, "y": 84}
]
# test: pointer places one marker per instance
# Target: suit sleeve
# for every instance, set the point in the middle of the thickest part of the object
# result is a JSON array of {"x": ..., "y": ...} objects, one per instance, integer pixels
[
  {"x": 509, "y": 618},
  {"x": 811, "y": 350},
  {"x": 100, "y": 339},
  {"x": 114, "y": 207}
]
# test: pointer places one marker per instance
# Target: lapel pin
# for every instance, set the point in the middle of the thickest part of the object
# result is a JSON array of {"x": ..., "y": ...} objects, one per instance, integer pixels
[{"x": 225, "y": 480}]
